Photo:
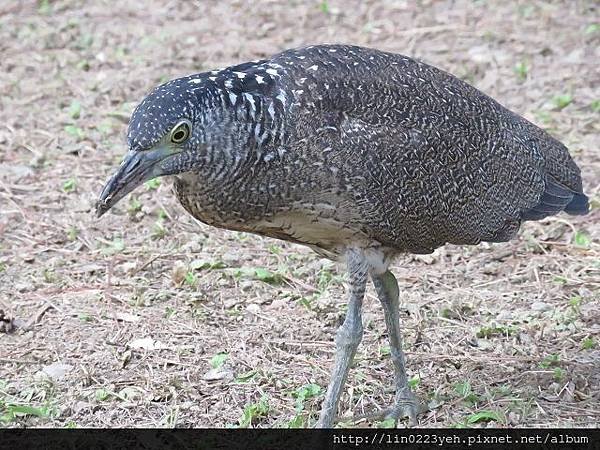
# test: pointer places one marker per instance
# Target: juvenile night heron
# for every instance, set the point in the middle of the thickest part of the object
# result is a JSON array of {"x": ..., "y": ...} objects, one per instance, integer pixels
[{"x": 356, "y": 153}]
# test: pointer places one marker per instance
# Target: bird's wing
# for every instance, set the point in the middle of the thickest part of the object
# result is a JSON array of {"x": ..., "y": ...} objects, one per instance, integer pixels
[
  {"x": 420, "y": 188},
  {"x": 429, "y": 158}
]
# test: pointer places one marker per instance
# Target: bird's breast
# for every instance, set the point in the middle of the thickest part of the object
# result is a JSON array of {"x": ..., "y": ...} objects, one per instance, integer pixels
[
  {"x": 320, "y": 222},
  {"x": 207, "y": 204}
]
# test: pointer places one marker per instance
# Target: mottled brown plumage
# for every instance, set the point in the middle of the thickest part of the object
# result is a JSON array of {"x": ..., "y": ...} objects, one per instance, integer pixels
[
  {"x": 356, "y": 153},
  {"x": 376, "y": 147}
]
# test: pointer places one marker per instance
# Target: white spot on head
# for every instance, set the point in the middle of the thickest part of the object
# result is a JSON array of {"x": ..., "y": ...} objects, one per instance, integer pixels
[
  {"x": 281, "y": 97},
  {"x": 259, "y": 79},
  {"x": 272, "y": 72},
  {"x": 315, "y": 67},
  {"x": 250, "y": 100},
  {"x": 301, "y": 57},
  {"x": 271, "y": 110},
  {"x": 228, "y": 84},
  {"x": 239, "y": 74},
  {"x": 332, "y": 50},
  {"x": 257, "y": 134},
  {"x": 212, "y": 78},
  {"x": 196, "y": 80}
]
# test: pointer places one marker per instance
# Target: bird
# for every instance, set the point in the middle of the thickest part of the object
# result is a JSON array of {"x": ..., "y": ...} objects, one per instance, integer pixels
[{"x": 359, "y": 154}]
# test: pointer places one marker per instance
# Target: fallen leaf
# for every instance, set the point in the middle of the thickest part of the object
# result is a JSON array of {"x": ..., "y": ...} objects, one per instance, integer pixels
[
  {"x": 126, "y": 317},
  {"x": 218, "y": 373},
  {"x": 57, "y": 370},
  {"x": 146, "y": 344}
]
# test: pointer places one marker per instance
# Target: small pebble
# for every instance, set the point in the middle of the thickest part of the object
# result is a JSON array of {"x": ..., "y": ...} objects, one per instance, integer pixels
[
  {"x": 253, "y": 308},
  {"x": 540, "y": 306}
]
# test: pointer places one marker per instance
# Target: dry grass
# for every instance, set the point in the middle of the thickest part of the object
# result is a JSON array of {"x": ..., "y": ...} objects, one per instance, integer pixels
[{"x": 128, "y": 329}]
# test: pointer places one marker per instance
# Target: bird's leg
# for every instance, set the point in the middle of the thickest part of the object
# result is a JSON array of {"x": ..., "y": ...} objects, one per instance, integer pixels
[
  {"x": 405, "y": 403},
  {"x": 347, "y": 338}
]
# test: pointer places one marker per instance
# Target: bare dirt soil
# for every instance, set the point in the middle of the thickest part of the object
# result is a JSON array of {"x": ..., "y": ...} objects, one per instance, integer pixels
[{"x": 147, "y": 318}]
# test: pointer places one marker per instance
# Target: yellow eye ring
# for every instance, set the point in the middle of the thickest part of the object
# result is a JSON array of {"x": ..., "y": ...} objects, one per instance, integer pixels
[{"x": 180, "y": 132}]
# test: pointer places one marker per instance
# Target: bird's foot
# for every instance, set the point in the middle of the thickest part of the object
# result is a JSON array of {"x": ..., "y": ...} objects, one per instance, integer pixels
[{"x": 405, "y": 404}]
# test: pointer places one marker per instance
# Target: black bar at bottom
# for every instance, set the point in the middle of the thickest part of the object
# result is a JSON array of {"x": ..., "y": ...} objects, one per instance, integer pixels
[{"x": 278, "y": 439}]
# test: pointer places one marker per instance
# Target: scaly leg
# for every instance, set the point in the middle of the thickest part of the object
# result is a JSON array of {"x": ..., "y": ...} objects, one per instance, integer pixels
[
  {"x": 347, "y": 338},
  {"x": 405, "y": 403}
]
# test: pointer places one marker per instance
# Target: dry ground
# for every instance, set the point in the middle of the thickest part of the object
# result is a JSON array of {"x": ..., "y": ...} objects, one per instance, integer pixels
[{"x": 146, "y": 318}]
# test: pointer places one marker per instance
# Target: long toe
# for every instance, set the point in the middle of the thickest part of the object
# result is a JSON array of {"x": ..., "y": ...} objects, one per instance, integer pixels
[
  {"x": 406, "y": 404},
  {"x": 405, "y": 408}
]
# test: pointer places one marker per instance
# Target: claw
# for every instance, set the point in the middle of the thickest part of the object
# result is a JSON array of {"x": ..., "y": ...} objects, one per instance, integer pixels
[
  {"x": 405, "y": 405},
  {"x": 400, "y": 411}
]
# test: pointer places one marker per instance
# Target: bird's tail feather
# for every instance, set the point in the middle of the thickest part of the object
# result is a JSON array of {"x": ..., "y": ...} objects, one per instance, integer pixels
[
  {"x": 580, "y": 205},
  {"x": 557, "y": 198}
]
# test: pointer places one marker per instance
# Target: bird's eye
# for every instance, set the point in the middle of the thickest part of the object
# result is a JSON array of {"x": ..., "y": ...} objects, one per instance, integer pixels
[{"x": 180, "y": 132}]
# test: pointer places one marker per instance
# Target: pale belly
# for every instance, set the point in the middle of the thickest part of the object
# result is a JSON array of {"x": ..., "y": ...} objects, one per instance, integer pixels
[{"x": 327, "y": 229}]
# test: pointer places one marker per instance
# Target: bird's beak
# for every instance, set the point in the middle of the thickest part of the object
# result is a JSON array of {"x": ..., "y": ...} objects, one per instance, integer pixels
[{"x": 136, "y": 168}]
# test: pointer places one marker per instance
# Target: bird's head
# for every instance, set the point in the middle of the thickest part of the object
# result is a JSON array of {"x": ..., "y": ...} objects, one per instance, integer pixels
[{"x": 170, "y": 132}]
